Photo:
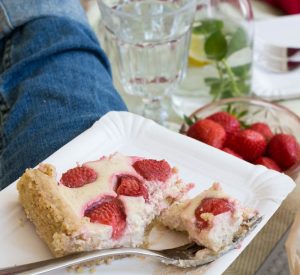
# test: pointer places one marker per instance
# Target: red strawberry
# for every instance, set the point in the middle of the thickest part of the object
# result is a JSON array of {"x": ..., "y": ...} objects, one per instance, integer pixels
[
  {"x": 263, "y": 129},
  {"x": 109, "y": 212},
  {"x": 230, "y": 139},
  {"x": 283, "y": 149},
  {"x": 152, "y": 169},
  {"x": 228, "y": 121},
  {"x": 209, "y": 132},
  {"x": 269, "y": 163},
  {"x": 249, "y": 144},
  {"x": 214, "y": 206},
  {"x": 229, "y": 151},
  {"x": 78, "y": 176},
  {"x": 131, "y": 186}
]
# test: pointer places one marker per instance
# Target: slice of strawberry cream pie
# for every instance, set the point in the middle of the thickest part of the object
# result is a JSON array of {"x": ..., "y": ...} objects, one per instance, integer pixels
[
  {"x": 211, "y": 219},
  {"x": 100, "y": 204}
]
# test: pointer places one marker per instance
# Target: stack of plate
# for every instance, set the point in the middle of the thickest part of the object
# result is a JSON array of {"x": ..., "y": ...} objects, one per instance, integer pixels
[{"x": 276, "y": 72}]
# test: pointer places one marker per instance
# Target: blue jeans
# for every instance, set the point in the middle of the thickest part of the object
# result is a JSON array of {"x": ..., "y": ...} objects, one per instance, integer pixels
[{"x": 55, "y": 81}]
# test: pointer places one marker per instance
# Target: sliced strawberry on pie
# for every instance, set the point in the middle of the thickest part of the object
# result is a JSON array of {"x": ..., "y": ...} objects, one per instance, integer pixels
[
  {"x": 151, "y": 169},
  {"x": 78, "y": 176},
  {"x": 214, "y": 206},
  {"x": 109, "y": 212},
  {"x": 129, "y": 185}
]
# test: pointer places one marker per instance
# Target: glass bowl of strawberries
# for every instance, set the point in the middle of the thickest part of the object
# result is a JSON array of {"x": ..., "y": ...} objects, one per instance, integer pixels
[{"x": 252, "y": 129}]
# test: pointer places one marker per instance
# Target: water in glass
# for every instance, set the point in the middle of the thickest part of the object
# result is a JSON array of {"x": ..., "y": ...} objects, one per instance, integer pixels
[{"x": 150, "y": 41}]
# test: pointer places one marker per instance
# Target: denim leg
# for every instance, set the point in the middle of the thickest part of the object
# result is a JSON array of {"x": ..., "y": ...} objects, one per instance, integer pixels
[{"x": 54, "y": 83}]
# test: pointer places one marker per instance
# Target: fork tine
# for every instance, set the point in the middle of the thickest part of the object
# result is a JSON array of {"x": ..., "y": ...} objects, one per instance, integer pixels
[{"x": 184, "y": 252}]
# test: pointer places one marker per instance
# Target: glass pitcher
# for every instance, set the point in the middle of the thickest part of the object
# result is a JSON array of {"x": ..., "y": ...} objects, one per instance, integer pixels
[{"x": 220, "y": 55}]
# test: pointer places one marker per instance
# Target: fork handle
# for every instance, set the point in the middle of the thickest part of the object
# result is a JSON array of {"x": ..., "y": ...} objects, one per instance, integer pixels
[{"x": 73, "y": 259}]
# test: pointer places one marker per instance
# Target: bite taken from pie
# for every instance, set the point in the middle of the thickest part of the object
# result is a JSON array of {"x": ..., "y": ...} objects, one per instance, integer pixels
[{"x": 212, "y": 219}]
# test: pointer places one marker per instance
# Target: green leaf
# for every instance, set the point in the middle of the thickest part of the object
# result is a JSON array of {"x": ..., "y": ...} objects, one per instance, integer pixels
[
  {"x": 234, "y": 111},
  {"x": 211, "y": 80},
  {"x": 216, "y": 46},
  {"x": 217, "y": 89},
  {"x": 229, "y": 108},
  {"x": 242, "y": 71},
  {"x": 208, "y": 26},
  {"x": 188, "y": 121},
  {"x": 237, "y": 42},
  {"x": 226, "y": 93},
  {"x": 242, "y": 114},
  {"x": 244, "y": 125},
  {"x": 220, "y": 88},
  {"x": 243, "y": 87}
]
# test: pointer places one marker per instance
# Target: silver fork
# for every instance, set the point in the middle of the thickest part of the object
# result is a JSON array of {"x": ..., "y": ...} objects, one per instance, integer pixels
[{"x": 184, "y": 256}]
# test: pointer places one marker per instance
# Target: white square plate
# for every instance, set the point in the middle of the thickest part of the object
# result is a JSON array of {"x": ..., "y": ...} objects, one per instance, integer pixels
[{"x": 254, "y": 186}]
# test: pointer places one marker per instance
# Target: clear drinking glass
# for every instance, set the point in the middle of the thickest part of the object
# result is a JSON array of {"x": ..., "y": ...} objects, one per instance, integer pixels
[
  {"x": 149, "y": 40},
  {"x": 220, "y": 56}
]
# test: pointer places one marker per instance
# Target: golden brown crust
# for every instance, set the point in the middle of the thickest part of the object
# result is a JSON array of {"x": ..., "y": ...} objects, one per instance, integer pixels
[{"x": 53, "y": 218}]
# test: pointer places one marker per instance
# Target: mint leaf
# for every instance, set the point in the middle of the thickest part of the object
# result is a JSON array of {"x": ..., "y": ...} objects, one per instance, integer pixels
[
  {"x": 242, "y": 71},
  {"x": 243, "y": 87},
  {"x": 215, "y": 90},
  {"x": 211, "y": 80},
  {"x": 216, "y": 46},
  {"x": 237, "y": 42},
  {"x": 208, "y": 26},
  {"x": 219, "y": 90},
  {"x": 226, "y": 94}
]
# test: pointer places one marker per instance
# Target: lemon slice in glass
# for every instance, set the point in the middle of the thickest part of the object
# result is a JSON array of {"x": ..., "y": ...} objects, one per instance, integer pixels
[{"x": 197, "y": 57}]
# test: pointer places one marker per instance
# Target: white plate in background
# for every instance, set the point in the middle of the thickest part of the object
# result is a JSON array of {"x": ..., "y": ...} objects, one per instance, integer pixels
[{"x": 272, "y": 39}]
